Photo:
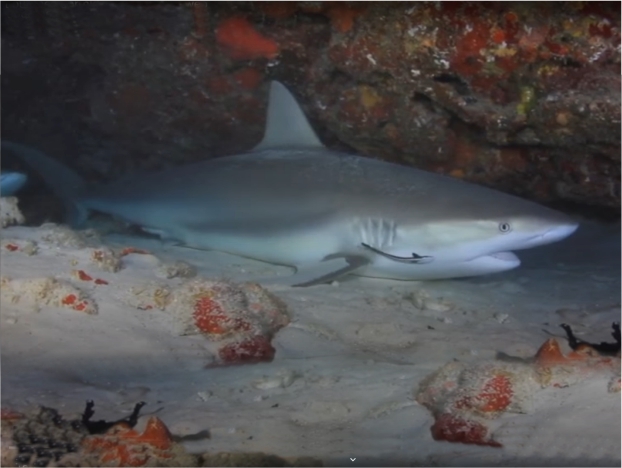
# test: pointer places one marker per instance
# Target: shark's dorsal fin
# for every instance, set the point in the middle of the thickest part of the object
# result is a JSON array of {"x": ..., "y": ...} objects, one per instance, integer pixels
[{"x": 286, "y": 124}]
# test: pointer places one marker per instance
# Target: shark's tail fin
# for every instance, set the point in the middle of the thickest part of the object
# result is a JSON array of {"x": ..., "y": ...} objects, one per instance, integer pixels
[
  {"x": 64, "y": 182},
  {"x": 11, "y": 182}
]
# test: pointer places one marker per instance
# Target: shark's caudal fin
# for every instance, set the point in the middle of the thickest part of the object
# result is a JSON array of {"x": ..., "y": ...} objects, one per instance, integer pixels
[
  {"x": 286, "y": 124},
  {"x": 11, "y": 182},
  {"x": 64, "y": 182}
]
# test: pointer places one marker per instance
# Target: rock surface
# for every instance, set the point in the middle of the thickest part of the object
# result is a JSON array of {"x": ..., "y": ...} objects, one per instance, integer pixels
[{"x": 521, "y": 97}]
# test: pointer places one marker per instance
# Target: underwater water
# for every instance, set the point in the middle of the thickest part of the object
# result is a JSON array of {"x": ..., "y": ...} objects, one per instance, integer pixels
[{"x": 520, "y": 97}]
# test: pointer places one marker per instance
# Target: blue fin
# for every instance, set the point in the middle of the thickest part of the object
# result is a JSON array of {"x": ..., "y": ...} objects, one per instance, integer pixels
[
  {"x": 64, "y": 182},
  {"x": 11, "y": 182}
]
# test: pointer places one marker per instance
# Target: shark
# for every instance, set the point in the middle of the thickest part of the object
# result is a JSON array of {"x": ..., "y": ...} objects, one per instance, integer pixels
[{"x": 292, "y": 201}]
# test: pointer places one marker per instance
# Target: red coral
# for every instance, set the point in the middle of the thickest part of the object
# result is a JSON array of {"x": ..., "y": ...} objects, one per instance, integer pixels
[
  {"x": 133, "y": 250},
  {"x": 243, "y": 41},
  {"x": 510, "y": 27},
  {"x": 467, "y": 59},
  {"x": 252, "y": 350},
  {"x": 454, "y": 429},
  {"x": 81, "y": 275},
  {"x": 531, "y": 40},
  {"x": 69, "y": 299},
  {"x": 11, "y": 247},
  {"x": 10, "y": 415},
  {"x": 199, "y": 13},
  {"x": 72, "y": 300},
  {"x": 80, "y": 307},
  {"x": 211, "y": 318},
  {"x": 207, "y": 315},
  {"x": 496, "y": 395},
  {"x": 498, "y": 35}
]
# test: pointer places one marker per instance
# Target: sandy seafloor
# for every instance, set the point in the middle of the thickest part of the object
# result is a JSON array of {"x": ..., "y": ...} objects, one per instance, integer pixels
[{"x": 356, "y": 352}]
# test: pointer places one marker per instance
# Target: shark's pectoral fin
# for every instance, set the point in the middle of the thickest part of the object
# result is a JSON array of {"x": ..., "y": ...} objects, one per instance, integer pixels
[
  {"x": 330, "y": 269},
  {"x": 414, "y": 258}
]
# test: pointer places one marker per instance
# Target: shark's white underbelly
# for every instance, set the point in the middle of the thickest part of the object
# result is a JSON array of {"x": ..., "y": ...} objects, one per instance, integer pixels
[
  {"x": 441, "y": 269},
  {"x": 312, "y": 245},
  {"x": 291, "y": 248}
]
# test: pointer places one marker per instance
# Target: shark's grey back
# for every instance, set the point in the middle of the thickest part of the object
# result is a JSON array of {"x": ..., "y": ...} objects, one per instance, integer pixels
[{"x": 284, "y": 183}]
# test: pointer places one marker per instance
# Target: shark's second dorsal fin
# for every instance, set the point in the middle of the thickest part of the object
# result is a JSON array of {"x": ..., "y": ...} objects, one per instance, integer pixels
[{"x": 286, "y": 124}]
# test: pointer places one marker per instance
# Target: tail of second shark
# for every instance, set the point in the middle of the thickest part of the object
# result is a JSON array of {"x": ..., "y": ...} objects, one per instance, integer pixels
[
  {"x": 65, "y": 183},
  {"x": 11, "y": 182}
]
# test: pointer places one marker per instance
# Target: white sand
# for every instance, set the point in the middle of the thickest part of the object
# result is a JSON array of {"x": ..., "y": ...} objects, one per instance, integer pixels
[{"x": 346, "y": 369}]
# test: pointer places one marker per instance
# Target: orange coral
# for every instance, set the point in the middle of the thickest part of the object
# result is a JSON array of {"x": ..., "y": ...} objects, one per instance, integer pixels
[
  {"x": 243, "y": 41},
  {"x": 342, "y": 16},
  {"x": 123, "y": 446},
  {"x": 550, "y": 354},
  {"x": 277, "y": 10},
  {"x": 584, "y": 356},
  {"x": 248, "y": 78}
]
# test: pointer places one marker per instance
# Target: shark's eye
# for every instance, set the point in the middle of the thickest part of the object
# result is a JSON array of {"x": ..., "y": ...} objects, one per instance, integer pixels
[{"x": 505, "y": 227}]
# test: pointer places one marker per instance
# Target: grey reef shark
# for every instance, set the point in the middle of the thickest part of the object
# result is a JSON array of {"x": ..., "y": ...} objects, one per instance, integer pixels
[{"x": 292, "y": 201}]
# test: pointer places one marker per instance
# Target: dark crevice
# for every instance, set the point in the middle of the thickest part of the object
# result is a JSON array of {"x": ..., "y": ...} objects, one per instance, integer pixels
[
  {"x": 461, "y": 87},
  {"x": 339, "y": 77},
  {"x": 424, "y": 101},
  {"x": 570, "y": 63}
]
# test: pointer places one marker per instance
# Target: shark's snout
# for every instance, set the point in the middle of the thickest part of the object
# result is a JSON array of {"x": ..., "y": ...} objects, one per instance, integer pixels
[
  {"x": 557, "y": 233},
  {"x": 553, "y": 234}
]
